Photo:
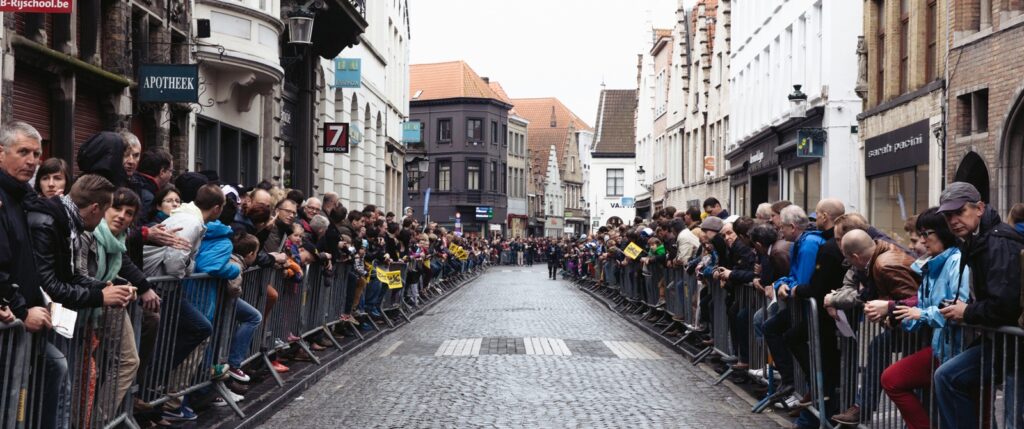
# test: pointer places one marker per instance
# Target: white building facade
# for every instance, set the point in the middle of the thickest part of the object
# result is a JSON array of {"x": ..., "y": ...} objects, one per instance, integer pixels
[
  {"x": 373, "y": 172},
  {"x": 613, "y": 181},
  {"x": 778, "y": 150}
]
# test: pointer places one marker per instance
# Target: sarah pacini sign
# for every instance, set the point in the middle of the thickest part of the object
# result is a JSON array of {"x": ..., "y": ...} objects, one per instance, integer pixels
[{"x": 897, "y": 149}]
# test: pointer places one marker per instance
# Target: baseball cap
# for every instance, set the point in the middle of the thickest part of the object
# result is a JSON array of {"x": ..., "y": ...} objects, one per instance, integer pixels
[{"x": 956, "y": 195}]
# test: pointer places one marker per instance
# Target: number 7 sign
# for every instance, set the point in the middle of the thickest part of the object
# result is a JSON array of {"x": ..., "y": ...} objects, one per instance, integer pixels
[{"x": 336, "y": 137}]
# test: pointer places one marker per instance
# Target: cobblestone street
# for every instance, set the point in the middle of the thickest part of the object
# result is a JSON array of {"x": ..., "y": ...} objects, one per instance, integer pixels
[{"x": 515, "y": 349}]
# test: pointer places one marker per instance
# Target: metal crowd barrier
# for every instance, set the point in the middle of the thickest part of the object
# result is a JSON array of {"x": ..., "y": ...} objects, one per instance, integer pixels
[
  {"x": 14, "y": 358},
  {"x": 652, "y": 284},
  {"x": 753, "y": 300}
]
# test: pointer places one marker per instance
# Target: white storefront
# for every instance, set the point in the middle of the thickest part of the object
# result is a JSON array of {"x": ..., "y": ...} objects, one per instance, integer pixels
[
  {"x": 779, "y": 44},
  {"x": 373, "y": 170}
]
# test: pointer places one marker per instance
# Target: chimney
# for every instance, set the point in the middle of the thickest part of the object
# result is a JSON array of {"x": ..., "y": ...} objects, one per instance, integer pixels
[
  {"x": 554, "y": 121},
  {"x": 486, "y": 79}
]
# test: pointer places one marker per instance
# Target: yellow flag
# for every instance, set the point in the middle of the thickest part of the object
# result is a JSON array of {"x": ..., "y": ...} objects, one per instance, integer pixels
[
  {"x": 632, "y": 251},
  {"x": 391, "y": 278}
]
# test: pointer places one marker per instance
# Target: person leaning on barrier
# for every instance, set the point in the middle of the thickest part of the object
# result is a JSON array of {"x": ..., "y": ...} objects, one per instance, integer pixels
[
  {"x": 940, "y": 273},
  {"x": 101, "y": 255},
  {"x": 894, "y": 283},
  {"x": 20, "y": 291},
  {"x": 741, "y": 263},
  {"x": 991, "y": 249}
]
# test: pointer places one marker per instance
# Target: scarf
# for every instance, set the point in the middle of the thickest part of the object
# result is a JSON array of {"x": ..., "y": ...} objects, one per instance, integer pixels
[{"x": 109, "y": 250}]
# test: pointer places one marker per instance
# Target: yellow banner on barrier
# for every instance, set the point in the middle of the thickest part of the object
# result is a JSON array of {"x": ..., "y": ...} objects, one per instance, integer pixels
[
  {"x": 458, "y": 251},
  {"x": 632, "y": 251},
  {"x": 391, "y": 278}
]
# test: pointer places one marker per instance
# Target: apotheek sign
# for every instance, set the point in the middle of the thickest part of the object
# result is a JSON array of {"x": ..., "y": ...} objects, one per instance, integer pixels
[
  {"x": 36, "y": 6},
  {"x": 897, "y": 149},
  {"x": 168, "y": 83}
]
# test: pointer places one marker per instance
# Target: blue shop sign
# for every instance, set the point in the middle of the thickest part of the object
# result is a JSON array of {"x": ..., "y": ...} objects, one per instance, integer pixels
[
  {"x": 810, "y": 142},
  {"x": 347, "y": 72},
  {"x": 169, "y": 83}
]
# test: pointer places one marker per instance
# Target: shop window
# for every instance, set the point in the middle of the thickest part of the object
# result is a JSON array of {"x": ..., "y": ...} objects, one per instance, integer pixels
[
  {"x": 232, "y": 152},
  {"x": 895, "y": 197},
  {"x": 740, "y": 205},
  {"x": 805, "y": 186}
]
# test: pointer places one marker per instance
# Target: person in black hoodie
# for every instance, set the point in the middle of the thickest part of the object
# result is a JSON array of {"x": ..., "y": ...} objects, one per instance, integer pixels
[
  {"x": 742, "y": 259},
  {"x": 991, "y": 249}
]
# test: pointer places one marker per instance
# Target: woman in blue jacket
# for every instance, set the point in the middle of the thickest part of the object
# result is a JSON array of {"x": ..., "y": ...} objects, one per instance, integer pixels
[{"x": 941, "y": 283}]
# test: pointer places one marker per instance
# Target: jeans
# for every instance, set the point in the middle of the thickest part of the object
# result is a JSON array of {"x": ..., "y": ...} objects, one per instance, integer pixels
[
  {"x": 774, "y": 329},
  {"x": 249, "y": 320},
  {"x": 56, "y": 390},
  {"x": 373, "y": 295},
  {"x": 957, "y": 384},
  {"x": 193, "y": 328}
]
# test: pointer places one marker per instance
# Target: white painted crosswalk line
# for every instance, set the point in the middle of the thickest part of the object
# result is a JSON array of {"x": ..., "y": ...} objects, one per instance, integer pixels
[
  {"x": 546, "y": 346},
  {"x": 443, "y": 348},
  {"x": 451, "y": 347},
  {"x": 614, "y": 347},
  {"x": 563, "y": 347},
  {"x": 475, "y": 349},
  {"x": 528, "y": 343},
  {"x": 391, "y": 349},
  {"x": 465, "y": 346}
]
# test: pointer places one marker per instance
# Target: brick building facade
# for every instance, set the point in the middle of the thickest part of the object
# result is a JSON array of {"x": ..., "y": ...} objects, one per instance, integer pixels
[
  {"x": 985, "y": 98},
  {"x": 901, "y": 80},
  {"x": 72, "y": 75}
]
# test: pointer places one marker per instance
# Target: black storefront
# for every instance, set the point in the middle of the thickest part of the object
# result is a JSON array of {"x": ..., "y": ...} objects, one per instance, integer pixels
[
  {"x": 897, "y": 172},
  {"x": 754, "y": 177}
]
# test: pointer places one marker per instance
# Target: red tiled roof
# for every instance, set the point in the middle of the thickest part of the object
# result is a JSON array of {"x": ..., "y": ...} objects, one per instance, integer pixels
[
  {"x": 453, "y": 79},
  {"x": 542, "y": 135},
  {"x": 498, "y": 89}
]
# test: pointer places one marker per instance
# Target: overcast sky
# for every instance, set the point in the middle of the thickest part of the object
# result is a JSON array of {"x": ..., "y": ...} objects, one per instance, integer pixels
[{"x": 541, "y": 48}]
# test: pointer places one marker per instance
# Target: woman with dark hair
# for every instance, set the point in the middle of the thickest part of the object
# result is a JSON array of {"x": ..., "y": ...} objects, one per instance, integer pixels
[
  {"x": 52, "y": 178},
  {"x": 941, "y": 286},
  {"x": 165, "y": 201}
]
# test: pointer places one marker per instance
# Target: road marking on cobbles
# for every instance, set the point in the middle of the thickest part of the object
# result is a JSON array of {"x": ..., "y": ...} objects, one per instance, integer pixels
[
  {"x": 630, "y": 350},
  {"x": 532, "y": 346},
  {"x": 391, "y": 349}
]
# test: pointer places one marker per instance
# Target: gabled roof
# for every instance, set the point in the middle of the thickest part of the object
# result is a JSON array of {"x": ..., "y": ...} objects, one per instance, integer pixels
[
  {"x": 539, "y": 112},
  {"x": 454, "y": 79},
  {"x": 542, "y": 114},
  {"x": 616, "y": 128},
  {"x": 711, "y": 12},
  {"x": 498, "y": 89}
]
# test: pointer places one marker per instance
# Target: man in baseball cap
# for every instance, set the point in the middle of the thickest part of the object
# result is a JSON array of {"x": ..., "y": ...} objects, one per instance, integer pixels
[{"x": 990, "y": 250}]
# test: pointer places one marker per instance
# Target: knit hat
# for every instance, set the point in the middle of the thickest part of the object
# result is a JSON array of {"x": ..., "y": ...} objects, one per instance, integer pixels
[
  {"x": 712, "y": 223},
  {"x": 189, "y": 184}
]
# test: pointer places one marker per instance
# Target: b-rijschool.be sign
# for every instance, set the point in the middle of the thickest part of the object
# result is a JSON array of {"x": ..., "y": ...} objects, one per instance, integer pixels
[
  {"x": 36, "y": 6},
  {"x": 898, "y": 149}
]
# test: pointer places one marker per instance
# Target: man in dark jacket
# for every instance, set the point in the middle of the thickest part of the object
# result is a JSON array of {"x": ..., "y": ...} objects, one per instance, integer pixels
[
  {"x": 991, "y": 249},
  {"x": 56, "y": 224},
  {"x": 253, "y": 217},
  {"x": 154, "y": 172},
  {"x": 554, "y": 256},
  {"x": 19, "y": 278}
]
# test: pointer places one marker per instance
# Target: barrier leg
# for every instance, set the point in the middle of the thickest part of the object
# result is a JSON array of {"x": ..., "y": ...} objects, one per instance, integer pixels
[
  {"x": 305, "y": 347},
  {"x": 273, "y": 372},
  {"x": 330, "y": 336},
  {"x": 222, "y": 390}
]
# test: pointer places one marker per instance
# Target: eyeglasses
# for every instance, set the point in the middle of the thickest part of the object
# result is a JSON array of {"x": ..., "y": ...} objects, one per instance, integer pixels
[
  {"x": 926, "y": 233},
  {"x": 288, "y": 211}
]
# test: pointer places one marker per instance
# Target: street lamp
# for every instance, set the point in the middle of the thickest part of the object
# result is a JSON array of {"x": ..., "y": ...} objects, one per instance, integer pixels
[
  {"x": 422, "y": 163},
  {"x": 641, "y": 176},
  {"x": 799, "y": 101},
  {"x": 300, "y": 26}
]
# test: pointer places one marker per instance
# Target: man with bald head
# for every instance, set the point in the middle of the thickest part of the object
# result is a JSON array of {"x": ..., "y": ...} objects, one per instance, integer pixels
[{"x": 887, "y": 268}]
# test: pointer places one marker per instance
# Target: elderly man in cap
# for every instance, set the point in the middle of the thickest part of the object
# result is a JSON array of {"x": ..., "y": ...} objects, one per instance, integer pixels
[{"x": 991, "y": 249}]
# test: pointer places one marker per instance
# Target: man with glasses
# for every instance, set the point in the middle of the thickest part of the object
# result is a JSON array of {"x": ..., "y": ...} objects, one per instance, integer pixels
[
  {"x": 991, "y": 249},
  {"x": 286, "y": 212}
]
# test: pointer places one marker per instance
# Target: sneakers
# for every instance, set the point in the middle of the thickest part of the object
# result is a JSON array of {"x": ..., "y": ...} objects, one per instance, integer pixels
[
  {"x": 849, "y": 417},
  {"x": 279, "y": 367},
  {"x": 220, "y": 402},
  {"x": 182, "y": 414},
  {"x": 791, "y": 402},
  {"x": 238, "y": 375},
  {"x": 220, "y": 371},
  {"x": 660, "y": 304}
]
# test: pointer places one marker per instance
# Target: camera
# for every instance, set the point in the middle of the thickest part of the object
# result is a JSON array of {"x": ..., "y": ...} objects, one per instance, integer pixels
[{"x": 946, "y": 303}]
